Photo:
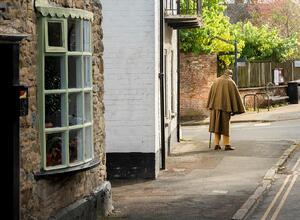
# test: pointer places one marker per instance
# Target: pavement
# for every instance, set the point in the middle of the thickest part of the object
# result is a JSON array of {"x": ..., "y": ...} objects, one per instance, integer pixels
[
  {"x": 288, "y": 112},
  {"x": 201, "y": 183}
]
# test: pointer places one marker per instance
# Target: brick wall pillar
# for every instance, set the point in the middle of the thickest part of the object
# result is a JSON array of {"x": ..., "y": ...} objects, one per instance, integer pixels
[{"x": 197, "y": 73}]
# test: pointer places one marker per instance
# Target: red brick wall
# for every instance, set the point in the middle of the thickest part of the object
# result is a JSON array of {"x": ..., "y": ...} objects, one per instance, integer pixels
[{"x": 197, "y": 73}]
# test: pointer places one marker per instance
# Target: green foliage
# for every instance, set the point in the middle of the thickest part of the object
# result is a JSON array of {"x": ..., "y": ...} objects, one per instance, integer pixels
[
  {"x": 215, "y": 23},
  {"x": 261, "y": 43},
  {"x": 188, "y": 7},
  {"x": 282, "y": 15},
  {"x": 254, "y": 43}
]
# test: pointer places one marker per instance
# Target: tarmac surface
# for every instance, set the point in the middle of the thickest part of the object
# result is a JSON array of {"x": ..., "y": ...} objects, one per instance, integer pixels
[
  {"x": 287, "y": 112},
  {"x": 201, "y": 183},
  {"x": 282, "y": 200}
]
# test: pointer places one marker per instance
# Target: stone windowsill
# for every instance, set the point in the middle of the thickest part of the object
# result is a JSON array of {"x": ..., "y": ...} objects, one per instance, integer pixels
[{"x": 82, "y": 167}]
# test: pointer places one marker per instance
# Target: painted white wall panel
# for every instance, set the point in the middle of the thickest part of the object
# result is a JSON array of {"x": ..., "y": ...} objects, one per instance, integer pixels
[{"x": 129, "y": 75}]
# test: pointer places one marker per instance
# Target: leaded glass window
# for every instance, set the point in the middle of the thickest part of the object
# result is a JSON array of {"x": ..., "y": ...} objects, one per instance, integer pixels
[{"x": 66, "y": 94}]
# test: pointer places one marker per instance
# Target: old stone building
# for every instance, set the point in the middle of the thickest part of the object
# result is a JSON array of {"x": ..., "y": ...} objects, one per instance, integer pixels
[{"x": 53, "y": 53}]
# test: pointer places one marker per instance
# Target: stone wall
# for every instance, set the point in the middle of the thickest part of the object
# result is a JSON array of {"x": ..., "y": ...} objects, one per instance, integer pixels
[
  {"x": 42, "y": 198},
  {"x": 197, "y": 73}
]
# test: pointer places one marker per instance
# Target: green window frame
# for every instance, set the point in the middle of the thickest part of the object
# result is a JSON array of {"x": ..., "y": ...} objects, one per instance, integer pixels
[
  {"x": 65, "y": 92},
  {"x": 49, "y": 48}
]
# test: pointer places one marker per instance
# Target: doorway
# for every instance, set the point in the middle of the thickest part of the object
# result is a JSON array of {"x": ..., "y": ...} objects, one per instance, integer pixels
[{"x": 9, "y": 62}]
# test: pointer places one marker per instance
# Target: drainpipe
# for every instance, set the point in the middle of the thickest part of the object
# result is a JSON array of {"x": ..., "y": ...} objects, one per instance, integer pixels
[
  {"x": 235, "y": 63},
  {"x": 178, "y": 79},
  {"x": 161, "y": 83}
]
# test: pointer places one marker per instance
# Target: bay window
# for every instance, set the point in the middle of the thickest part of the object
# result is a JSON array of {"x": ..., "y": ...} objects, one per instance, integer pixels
[{"x": 65, "y": 91}]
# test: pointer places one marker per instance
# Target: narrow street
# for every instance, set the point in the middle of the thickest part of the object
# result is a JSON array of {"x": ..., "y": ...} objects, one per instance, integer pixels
[
  {"x": 111, "y": 101},
  {"x": 200, "y": 183},
  {"x": 272, "y": 131}
]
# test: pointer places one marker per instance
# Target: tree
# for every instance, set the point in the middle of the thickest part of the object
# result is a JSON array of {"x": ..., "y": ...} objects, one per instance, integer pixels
[
  {"x": 202, "y": 40},
  {"x": 262, "y": 44},
  {"x": 254, "y": 42},
  {"x": 281, "y": 14}
]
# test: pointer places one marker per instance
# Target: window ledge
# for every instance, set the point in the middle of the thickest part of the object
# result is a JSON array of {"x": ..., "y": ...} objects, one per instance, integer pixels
[{"x": 51, "y": 173}]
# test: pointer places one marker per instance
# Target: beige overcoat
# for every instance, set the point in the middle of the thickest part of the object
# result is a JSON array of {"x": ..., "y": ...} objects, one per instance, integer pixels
[{"x": 223, "y": 100}]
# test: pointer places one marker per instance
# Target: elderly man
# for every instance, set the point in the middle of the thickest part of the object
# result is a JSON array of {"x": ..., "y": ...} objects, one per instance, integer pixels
[{"x": 223, "y": 101}]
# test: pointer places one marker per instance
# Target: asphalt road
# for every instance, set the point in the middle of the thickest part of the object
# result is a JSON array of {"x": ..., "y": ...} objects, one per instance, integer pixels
[
  {"x": 280, "y": 130},
  {"x": 200, "y": 183},
  {"x": 282, "y": 201}
]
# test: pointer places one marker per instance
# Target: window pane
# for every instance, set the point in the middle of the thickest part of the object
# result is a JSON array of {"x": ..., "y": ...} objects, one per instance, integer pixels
[
  {"x": 54, "y": 72},
  {"x": 75, "y": 145},
  {"x": 74, "y": 35},
  {"x": 55, "y": 34},
  {"x": 53, "y": 111},
  {"x": 87, "y": 107},
  {"x": 86, "y": 36},
  {"x": 54, "y": 149},
  {"x": 74, "y": 72},
  {"x": 88, "y": 142},
  {"x": 87, "y": 71},
  {"x": 75, "y": 108}
]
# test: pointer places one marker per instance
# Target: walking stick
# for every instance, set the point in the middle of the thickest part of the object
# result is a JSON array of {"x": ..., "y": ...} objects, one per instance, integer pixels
[{"x": 209, "y": 140}]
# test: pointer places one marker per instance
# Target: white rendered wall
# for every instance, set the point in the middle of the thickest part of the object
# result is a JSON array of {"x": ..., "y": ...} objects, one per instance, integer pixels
[
  {"x": 129, "y": 75},
  {"x": 170, "y": 46},
  {"x": 156, "y": 79}
]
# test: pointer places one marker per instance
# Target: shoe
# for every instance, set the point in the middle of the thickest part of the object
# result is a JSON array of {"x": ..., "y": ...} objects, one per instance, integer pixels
[
  {"x": 218, "y": 147},
  {"x": 229, "y": 147}
]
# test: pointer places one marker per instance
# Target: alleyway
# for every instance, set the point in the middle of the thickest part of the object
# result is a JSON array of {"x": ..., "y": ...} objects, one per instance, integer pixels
[{"x": 200, "y": 183}]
